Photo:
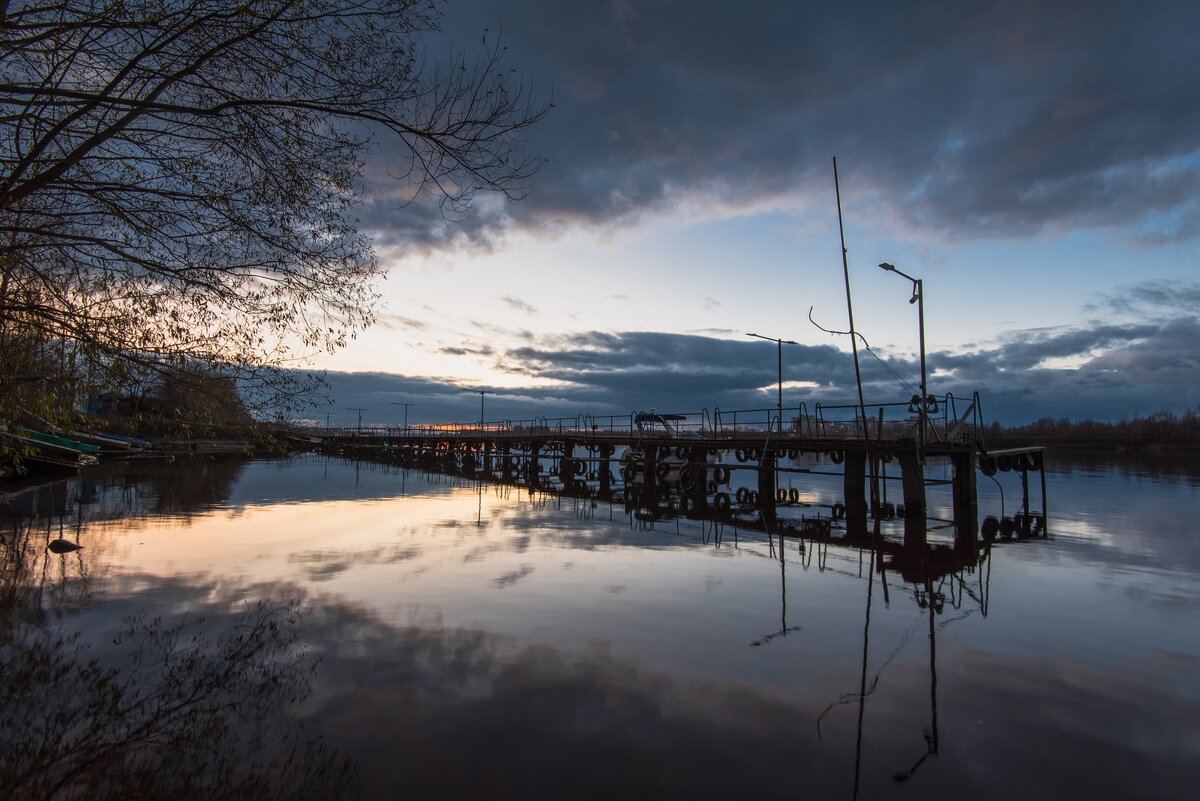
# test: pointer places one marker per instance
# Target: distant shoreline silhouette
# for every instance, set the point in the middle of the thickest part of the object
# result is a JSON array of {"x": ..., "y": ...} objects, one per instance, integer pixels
[{"x": 1160, "y": 431}]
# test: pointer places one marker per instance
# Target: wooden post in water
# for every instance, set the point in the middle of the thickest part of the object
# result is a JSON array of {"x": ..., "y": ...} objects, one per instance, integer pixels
[
  {"x": 912, "y": 476},
  {"x": 531, "y": 466},
  {"x": 698, "y": 461},
  {"x": 506, "y": 463},
  {"x": 766, "y": 484},
  {"x": 1025, "y": 500},
  {"x": 603, "y": 472},
  {"x": 566, "y": 466},
  {"x": 855, "y": 486},
  {"x": 966, "y": 510},
  {"x": 1042, "y": 475},
  {"x": 650, "y": 476}
]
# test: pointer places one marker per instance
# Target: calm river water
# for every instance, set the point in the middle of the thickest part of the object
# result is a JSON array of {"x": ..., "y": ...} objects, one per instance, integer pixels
[{"x": 323, "y": 628}]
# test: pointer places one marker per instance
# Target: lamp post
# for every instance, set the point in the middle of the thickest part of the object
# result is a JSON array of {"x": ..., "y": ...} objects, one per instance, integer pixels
[
  {"x": 918, "y": 297},
  {"x": 779, "y": 343},
  {"x": 405, "y": 405},
  {"x": 481, "y": 393},
  {"x": 360, "y": 411}
]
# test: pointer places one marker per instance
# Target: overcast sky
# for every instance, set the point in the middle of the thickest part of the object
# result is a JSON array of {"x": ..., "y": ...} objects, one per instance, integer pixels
[{"x": 1037, "y": 164}]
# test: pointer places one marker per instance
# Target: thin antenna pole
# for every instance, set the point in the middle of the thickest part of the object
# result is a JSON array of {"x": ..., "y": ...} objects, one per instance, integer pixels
[{"x": 862, "y": 406}]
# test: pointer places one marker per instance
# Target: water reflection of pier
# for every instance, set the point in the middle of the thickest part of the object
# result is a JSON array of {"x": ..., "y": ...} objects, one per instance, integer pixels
[{"x": 939, "y": 578}]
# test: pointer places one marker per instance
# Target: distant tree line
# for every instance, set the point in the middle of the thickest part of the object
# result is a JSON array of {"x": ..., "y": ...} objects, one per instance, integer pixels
[{"x": 1159, "y": 428}]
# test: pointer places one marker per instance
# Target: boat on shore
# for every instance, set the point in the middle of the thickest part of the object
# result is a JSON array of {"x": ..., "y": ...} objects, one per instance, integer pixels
[{"x": 28, "y": 448}]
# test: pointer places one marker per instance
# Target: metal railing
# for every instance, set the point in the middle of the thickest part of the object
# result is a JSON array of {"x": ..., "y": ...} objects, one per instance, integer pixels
[{"x": 889, "y": 422}]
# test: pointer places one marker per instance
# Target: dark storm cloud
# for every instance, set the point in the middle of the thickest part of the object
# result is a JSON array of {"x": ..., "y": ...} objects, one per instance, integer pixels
[
  {"x": 482, "y": 351},
  {"x": 670, "y": 371},
  {"x": 1138, "y": 370},
  {"x": 1103, "y": 370},
  {"x": 1181, "y": 297},
  {"x": 432, "y": 400},
  {"x": 969, "y": 119}
]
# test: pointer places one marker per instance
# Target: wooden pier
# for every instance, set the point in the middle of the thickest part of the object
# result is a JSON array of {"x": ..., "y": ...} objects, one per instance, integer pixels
[{"x": 686, "y": 464}]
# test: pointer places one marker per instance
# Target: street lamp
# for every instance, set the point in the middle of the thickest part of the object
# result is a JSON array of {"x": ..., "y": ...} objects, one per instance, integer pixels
[
  {"x": 481, "y": 393},
  {"x": 918, "y": 297},
  {"x": 360, "y": 411},
  {"x": 405, "y": 405},
  {"x": 780, "y": 343}
]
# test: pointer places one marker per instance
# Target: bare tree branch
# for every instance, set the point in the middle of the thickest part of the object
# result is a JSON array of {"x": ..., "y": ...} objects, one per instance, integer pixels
[{"x": 179, "y": 178}]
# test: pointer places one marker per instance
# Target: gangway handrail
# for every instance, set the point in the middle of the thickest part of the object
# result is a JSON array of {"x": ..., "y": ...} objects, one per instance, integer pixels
[
  {"x": 802, "y": 415},
  {"x": 977, "y": 420}
]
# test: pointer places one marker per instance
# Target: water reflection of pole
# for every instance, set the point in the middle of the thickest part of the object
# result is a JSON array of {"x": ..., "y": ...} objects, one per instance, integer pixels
[
  {"x": 933, "y": 739},
  {"x": 862, "y": 687},
  {"x": 783, "y": 627},
  {"x": 931, "y": 734}
]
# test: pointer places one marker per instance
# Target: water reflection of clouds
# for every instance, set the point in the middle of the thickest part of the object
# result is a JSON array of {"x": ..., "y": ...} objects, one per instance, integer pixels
[
  {"x": 613, "y": 645},
  {"x": 541, "y": 722},
  {"x": 460, "y": 712},
  {"x": 512, "y": 577},
  {"x": 323, "y": 565}
]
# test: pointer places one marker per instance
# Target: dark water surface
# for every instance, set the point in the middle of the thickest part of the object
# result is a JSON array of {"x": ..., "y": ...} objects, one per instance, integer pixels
[{"x": 457, "y": 640}]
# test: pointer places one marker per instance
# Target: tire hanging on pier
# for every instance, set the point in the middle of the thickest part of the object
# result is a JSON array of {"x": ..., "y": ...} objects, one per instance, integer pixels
[
  {"x": 687, "y": 478},
  {"x": 837, "y": 457},
  {"x": 721, "y": 501},
  {"x": 721, "y": 474}
]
